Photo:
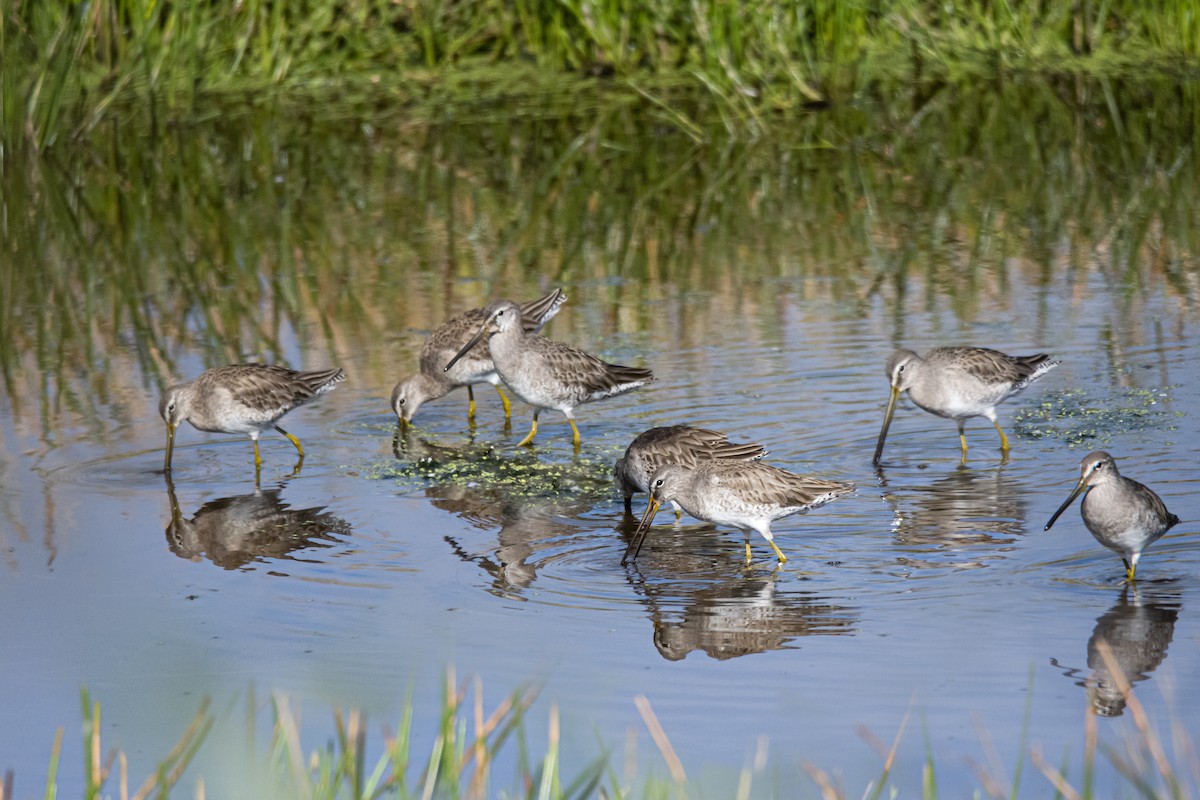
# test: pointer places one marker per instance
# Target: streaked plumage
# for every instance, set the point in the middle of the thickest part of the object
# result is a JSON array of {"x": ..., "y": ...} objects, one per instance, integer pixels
[
  {"x": 748, "y": 495},
  {"x": 675, "y": 444},
  {"x": 1121, "y": 513},
  {"x": 242, "y": 398},
  {"x": 546, "y": 373},
  {"x": 432, "y": 381},
  {"x": 959, "y": 383}
]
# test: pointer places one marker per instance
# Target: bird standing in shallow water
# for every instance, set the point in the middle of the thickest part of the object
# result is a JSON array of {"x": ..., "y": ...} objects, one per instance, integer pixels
[
  {"x": 432, "y": 382},
  {"x": 959, "y": 383},
  {"x": 675, "y": 444},
  {"x": 546, "y": 373},
  {"x": 242, "y": 398},
  {"x": 748, "y": 495},
  {"x": 1121, "y": 513}
]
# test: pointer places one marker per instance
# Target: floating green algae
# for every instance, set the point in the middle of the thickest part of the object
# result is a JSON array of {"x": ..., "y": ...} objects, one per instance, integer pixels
[
  {"x": 512, "y": 472},
  {"x": 1077, "y": 418}
]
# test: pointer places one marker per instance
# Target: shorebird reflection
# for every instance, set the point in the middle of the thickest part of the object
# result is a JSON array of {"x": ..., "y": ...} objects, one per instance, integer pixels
[
  {"x": 702, "y": 599},
  {"x": 961, "y": 520},
  {"x": 234, "y": 532},
  {"x": 1138, "y": 629}
]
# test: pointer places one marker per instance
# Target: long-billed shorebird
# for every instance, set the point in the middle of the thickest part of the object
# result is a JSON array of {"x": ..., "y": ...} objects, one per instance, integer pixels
[
  {"x": 748, "y": 495},
  {"x": 546, "y": 373},
  {"x": 675, "y": 444},
  {"x": 1121, "y": 513},
  {"x": 242, "y": 398},
  {"x": 959, "y": 383},
  {"x": 432, "y": 382}
]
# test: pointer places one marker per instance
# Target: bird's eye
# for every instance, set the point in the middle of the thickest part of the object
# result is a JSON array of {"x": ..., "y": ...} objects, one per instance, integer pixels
[
  {"x": 900, "y": 368},
  {"x": 170, "y": 407},
  {"x": 658, "y": 483},
  {"x": 403, "y": 401},
  {"x": 1099, "y": 465}
]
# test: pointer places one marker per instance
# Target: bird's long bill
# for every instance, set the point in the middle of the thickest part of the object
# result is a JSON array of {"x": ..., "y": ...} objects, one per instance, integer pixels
[
  {"x": 467, "y": 347},
  {"x": 1079, "y": 487},
  {"x": 170, "y": 448},
  {"x": 639, "y": 536},
  {"x": 887, "y": 421}
]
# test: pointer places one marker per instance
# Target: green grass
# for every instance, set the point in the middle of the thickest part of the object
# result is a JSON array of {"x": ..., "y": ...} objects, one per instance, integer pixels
[
  {"x": 68, "y": 65},
  {"x": 471, "y": 745}
]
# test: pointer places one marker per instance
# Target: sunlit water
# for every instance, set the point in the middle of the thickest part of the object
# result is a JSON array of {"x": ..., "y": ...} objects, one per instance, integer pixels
[{"x": 931, "y": 594}]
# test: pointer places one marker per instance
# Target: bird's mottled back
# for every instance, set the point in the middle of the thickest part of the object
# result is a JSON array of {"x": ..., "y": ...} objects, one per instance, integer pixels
[
  {"x": 268, "y": 387},
  {"x": 684, "y": 445}
]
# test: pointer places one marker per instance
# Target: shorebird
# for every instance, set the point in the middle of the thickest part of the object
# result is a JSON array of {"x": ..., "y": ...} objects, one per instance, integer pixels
[
  {"x": 959, "y": 383},
  {"x": 1121, "y": 513},
  {"x": 546, "y": 373},
  {"x": 748, "y": 495},
  {"x": 242, "y": 398},
  {"x": 676, "y": 444},
  {"x": 432, "y": 382}
]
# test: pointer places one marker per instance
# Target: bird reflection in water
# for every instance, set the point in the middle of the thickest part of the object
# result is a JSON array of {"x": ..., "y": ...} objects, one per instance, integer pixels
[
  {"x": 526, "y": 529},
  {"x": 961, "y": 520},
  {"x": 513, "y": 496},
  {"x": 1138, "y": 629},
  {"x": 700, "y": 598},
  {"x": 234, "y": 532}
]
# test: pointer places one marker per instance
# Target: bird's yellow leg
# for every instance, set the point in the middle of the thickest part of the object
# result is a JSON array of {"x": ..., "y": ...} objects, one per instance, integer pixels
[
  {"x": 290, "y": 438},
  {"x": 470, "y": 404},
  {"x": 678, "y": 515},
  {"x": 507, "y": 405},
  {"x": 747, "y": 550},
  {"x": 532, "y": 433},
  {"x": 778, "y": 553},
  {"x": 1003, "y": 438},
  {"x": 574, "y": 434},
  {"x": 962, "y": 440},
  {"x": 1130, "y": 571}
]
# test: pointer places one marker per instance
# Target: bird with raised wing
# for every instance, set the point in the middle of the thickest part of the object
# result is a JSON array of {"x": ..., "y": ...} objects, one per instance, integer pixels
[
  {"x": 432, "y": 382},
  {"x": 546, "y": 373}
]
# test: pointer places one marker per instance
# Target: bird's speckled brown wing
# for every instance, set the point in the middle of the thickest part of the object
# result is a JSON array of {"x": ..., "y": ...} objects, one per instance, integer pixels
[
  {"x": 686, "y": 445},
  {"x": 536, "y": 313},
  {"x": 987, "y": 365},
  {"x": 268, "y": 388},
  {"x": 764, "y": 484},
  {"x": 683, "y": 445},
  {"x": 588, "y": 377}
]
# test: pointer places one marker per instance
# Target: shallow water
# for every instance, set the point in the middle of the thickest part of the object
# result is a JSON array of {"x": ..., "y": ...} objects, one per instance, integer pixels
[{"x": 932, "y": 591}]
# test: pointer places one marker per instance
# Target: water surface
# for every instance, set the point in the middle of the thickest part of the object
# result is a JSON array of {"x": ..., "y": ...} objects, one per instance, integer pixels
[{"x": 766, "y": 283}]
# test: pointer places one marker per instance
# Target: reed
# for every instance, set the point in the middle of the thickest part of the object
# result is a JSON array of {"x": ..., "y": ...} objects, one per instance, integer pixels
[{"x": 472, "y": 747}]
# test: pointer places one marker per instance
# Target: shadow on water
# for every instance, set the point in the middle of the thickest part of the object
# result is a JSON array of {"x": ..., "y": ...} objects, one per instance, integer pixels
[
  {"x": 704, "y": 598},
  {"x": 962, "y": 520},
  {"x": 235, "y": 532},
  {"x": 1138, "y": 629}
]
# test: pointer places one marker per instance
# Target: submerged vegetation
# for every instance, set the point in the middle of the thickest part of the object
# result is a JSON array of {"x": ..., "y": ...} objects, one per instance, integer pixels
[
  {"x": 1081, "y": 420},
  {"x": 68, "y": 65}
]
